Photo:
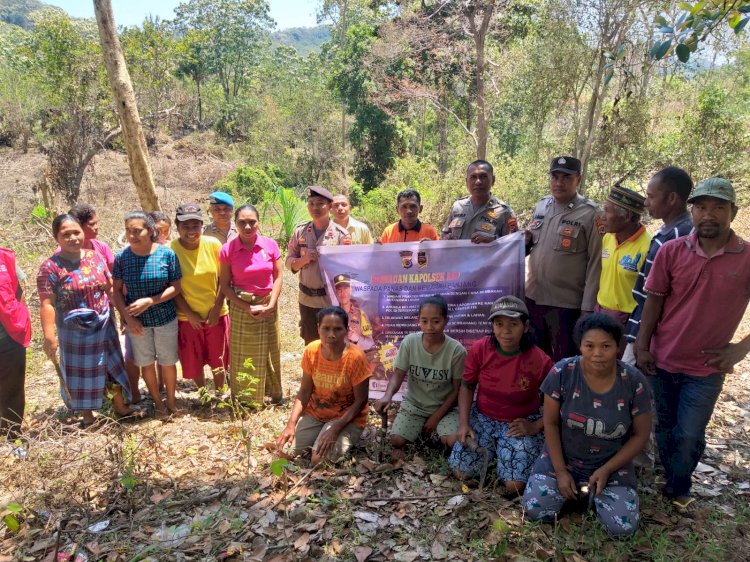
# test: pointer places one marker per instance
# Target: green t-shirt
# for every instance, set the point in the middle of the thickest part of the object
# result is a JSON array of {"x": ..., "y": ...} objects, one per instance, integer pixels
[{"x": 431, "y": 375}]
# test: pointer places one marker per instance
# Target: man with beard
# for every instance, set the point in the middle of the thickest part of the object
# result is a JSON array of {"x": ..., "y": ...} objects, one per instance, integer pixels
[{"x": 697, "y": 292}]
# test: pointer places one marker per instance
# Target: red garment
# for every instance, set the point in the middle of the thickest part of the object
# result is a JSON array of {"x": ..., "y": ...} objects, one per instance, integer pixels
[
  {"x": 13, "y": 314},
  {"x": 508, "y": 384},
  {"x": 704, "y": 300},
  {"x": 207, "y": 346}
]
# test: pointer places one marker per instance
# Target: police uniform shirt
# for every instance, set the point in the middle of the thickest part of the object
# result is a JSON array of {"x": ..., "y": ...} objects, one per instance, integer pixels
[
  {"x": 494, "y": 218},
  {"x": 303, "y": 238},
  {"x": 565, "y": 259},
  {"x": 360, "y": 329},
  {"x": 212, "y": 230}
]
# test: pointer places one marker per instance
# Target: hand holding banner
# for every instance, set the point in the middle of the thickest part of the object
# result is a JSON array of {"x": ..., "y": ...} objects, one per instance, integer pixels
[{"x": 380, "y": 287}]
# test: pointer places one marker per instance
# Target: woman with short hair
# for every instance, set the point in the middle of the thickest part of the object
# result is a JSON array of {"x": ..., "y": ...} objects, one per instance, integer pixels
[
  {"x": 597, "y": 418},
  {"x": 75, "y": 288},
  {"x": 146, "y": 281}
]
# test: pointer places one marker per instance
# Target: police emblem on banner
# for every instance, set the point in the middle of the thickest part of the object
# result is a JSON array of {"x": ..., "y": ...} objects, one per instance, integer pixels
[
  {"x": 407, "y": 259},
  {"x": 421, "y": 259}
]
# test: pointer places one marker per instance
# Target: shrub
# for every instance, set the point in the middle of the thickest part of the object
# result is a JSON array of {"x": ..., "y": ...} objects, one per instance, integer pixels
[{"x": 247, "y": 184}]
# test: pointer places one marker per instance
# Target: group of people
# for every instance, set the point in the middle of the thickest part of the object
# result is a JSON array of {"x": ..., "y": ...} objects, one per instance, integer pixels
[
  {"x": 605, "y": 304},
  {"x": 206, "y": 297},
  {"x": 617, "y": 329}
]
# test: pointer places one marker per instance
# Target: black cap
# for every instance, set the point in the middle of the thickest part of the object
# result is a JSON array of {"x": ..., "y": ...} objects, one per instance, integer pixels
[
  {"x": 342, "y": 279},
  {"x": 188, "y": 211},
  {"x": 565, "y": 164},
  {"x": 313, "y": 190}
]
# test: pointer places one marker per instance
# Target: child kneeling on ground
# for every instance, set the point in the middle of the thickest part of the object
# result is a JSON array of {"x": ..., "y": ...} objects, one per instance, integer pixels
[
  {"x": 508, "y": 370},
  {"x": 435, "y": 364}
]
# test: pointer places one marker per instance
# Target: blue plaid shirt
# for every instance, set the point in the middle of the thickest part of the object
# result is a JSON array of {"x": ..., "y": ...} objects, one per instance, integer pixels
[{"x": 149, "y": 276}]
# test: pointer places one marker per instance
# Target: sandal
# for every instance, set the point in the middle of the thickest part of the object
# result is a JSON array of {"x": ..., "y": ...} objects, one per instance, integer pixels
[
  {"x": 84, "y": 425},
  {"x": 683, "y": 504},
  {"x": 134, "y": 414}
]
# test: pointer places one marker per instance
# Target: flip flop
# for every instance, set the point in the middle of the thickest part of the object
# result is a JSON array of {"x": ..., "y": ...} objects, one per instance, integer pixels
[
  {"x": 87, "y": 425},
  {"x": 683, "y": 506},
  {"x": 135, "y": 414}
]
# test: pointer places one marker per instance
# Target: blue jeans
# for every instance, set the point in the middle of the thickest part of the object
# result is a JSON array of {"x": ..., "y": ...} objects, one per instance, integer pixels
[{"x": 684, "y": 405}]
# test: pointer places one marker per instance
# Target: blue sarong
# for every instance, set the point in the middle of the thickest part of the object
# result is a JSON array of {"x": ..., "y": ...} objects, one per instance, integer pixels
[{"x": 90, "y": 357}]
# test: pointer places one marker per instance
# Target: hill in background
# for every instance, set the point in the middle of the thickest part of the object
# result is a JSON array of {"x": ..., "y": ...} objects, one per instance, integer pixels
[
  {"x": 15, "y": 12},
  {"x": 304, "y": 39}
]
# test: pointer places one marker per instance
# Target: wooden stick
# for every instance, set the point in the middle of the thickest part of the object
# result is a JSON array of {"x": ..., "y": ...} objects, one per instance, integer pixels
[
  {"x": 63, "y": 384},
  {"x": 404, "y": 498}
]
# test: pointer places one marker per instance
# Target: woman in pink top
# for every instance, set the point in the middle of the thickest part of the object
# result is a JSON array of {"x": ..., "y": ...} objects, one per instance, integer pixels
[
  {"x": 250, "y": 279},
  {"x": 86, "y": 215}
]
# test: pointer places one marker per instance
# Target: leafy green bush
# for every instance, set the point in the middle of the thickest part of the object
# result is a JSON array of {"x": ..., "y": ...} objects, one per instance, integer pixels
[
  {"x": 437, "y": 192},
  {"x": 247, "y": 184}
]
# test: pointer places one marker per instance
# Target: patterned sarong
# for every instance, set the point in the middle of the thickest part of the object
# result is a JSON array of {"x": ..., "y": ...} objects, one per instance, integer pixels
[
  {"x": 257, "y": 340},
  {"x": 90, "y": 357}
]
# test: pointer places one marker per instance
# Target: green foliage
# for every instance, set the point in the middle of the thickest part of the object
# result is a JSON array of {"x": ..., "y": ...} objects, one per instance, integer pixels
[
  {"x": 11, "y": 515},
  {"x": 129, "y": 458},
  {"x": 247, "y": 184},
  {"x": 61, "y": 59},
  {"x": 277, "y": 467},
  {"x": 375, "y": 134},
  {"x": 151, "y": 53},
  {"x": 682, "y": 34},
  {"x": 290, "y": 211},
  {"x": 230, "y": 35}
]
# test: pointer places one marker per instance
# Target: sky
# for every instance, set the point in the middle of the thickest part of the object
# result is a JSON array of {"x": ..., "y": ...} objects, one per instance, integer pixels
[{"x": 286, "y": 13}]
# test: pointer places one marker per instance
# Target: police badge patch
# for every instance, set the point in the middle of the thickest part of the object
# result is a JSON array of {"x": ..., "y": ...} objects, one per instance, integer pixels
[{"x": 407, "y": 259}]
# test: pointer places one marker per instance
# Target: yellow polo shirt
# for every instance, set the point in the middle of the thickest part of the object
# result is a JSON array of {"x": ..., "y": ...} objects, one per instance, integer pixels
[{"x": 620, "y": 267}]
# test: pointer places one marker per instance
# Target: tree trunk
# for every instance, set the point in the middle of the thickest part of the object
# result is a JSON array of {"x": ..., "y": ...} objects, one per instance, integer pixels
[
  {"x": 127, "y": 109},
  {"x": 442, "y": 119},
  {"x": 479, "y": 34},
  {"x": 200, "y": 105}
]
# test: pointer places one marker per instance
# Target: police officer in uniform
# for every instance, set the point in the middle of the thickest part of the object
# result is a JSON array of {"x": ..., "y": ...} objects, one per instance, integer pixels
[
  {"x": 302, "y": 257},
  {"x": 481, "y": 217},
  {"x": 360, "y": 328},
  {"x": 565, "y": 248},
  {"x": 221, "y": 208}
]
